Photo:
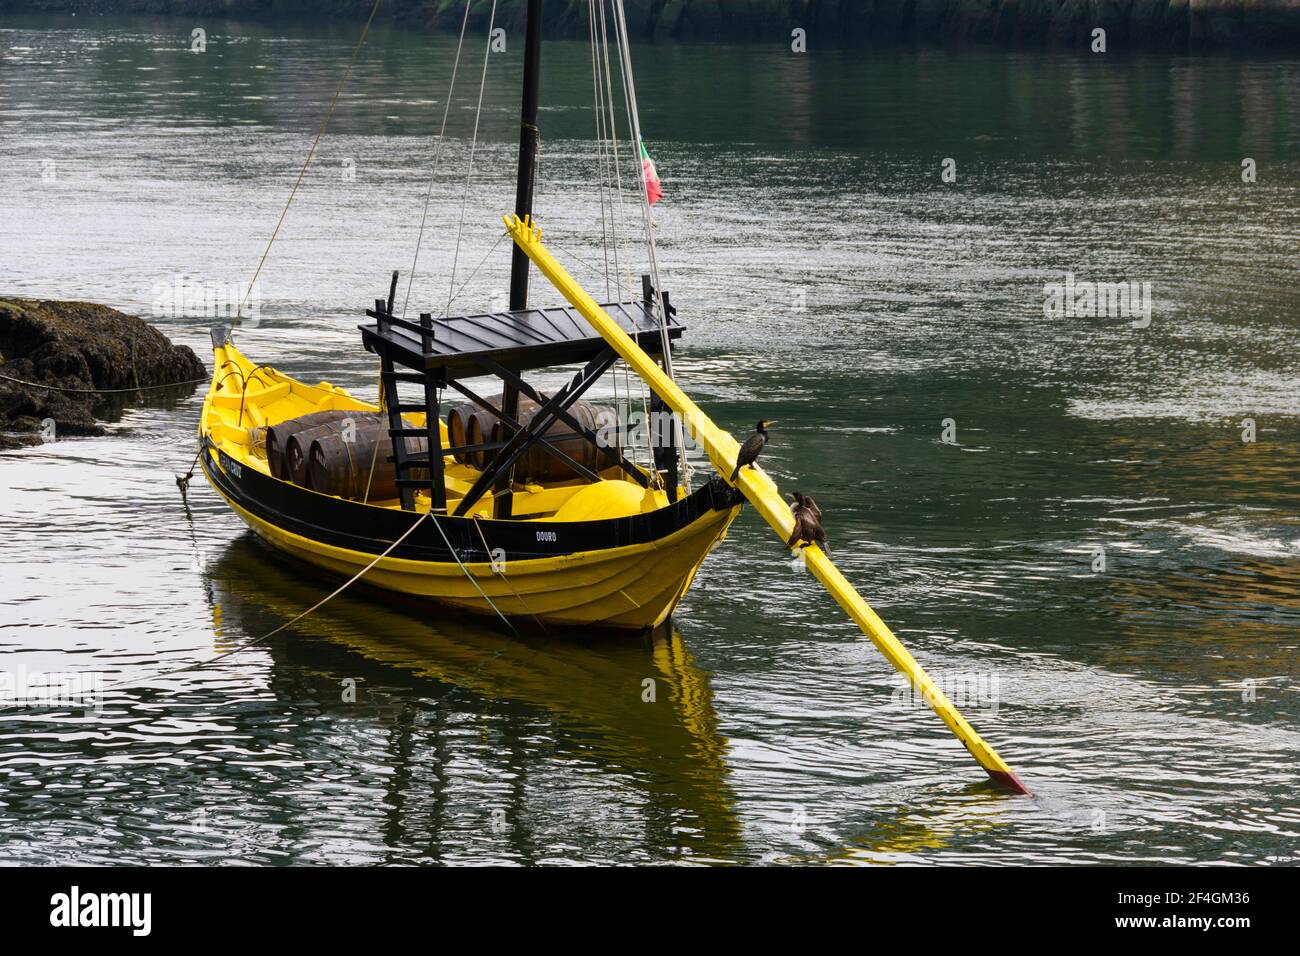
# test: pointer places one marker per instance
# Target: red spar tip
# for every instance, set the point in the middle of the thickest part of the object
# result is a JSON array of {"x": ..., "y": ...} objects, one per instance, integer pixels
[{"x": 1009, "y": 780}]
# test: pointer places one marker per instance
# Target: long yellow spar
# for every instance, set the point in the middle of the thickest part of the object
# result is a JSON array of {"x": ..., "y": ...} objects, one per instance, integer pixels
[{"x": 722, "y": 450}]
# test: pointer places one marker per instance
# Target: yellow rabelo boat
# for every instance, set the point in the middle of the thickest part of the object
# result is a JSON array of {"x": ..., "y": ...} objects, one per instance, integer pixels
[
  {"x": 604, "y": 541},
  {"x": 610, "y": 548}
]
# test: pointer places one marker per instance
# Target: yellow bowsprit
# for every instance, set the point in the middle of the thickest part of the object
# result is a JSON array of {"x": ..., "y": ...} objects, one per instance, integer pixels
[{"x": 755, "y": 484}]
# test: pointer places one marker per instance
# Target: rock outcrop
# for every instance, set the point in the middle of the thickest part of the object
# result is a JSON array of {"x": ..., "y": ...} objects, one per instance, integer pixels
[{"x": 79, "y": 345}]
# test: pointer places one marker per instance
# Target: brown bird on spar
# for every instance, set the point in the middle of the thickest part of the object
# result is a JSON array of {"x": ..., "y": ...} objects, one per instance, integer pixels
[
  {"x": 752, "y": 448},
  {"x": 807, "y": 523}
]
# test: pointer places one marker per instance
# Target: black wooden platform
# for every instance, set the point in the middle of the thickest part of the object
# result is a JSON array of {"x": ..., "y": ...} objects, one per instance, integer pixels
[
  {"x": 534, "y": 338},
  {"x": 441, "y": 352}
]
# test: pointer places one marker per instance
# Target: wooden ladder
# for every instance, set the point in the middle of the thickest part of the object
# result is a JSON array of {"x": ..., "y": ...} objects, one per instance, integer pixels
[{"x": 405, "y": 461}]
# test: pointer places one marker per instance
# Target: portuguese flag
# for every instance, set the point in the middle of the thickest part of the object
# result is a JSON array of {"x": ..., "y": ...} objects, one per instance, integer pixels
[{"x": 653, "y": 190}]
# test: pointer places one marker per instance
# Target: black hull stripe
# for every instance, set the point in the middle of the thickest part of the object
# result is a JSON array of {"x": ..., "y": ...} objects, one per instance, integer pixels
[{"x": 370, "y": 529}]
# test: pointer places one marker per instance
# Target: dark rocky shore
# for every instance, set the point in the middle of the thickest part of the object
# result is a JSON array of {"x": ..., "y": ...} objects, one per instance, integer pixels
[
  {"x": 1168, "y": 24},
  {"x": 79, "y": 345}
]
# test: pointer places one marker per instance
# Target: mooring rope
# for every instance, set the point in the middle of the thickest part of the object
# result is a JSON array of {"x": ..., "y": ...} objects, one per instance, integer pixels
[
  {"x": 447, "y": 541},
  {"x": 103, "y": 391},
  {"x": 502, "y": 575},
  {"x": 269, "y": 634},
  {"x": 332, "y": 389},
  {"x": 183, "y": 481}
]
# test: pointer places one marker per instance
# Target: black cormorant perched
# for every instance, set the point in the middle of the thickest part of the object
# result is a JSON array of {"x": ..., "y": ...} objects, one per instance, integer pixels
[
  {"x": 807, "y": 522},
  {"x": 749, "y": 451}
]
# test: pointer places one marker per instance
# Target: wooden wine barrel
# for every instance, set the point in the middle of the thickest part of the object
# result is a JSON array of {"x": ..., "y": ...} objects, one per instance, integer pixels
[
  {"x": 359, "y": 425},
  {"x": 277, "y": 436},
  {"x": 541, "y": 465},
  {"x": 458, "y": 429},
  {"x": 470, "y": 425},
  {"x": 479, "y": 423},
  {"x": 294, "y": 463},
  {"x": 343, "y": 468}
]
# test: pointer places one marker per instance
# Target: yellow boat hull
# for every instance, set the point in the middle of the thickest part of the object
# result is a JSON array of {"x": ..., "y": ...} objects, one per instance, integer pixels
[{"x": 624, "y": 570}]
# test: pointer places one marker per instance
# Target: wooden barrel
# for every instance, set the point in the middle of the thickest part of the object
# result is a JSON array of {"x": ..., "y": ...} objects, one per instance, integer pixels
[
  {"x": 480, "y": 431},
  {"x": 458, "y": 429},
  {"x": 470, "y": 425},
  {"x": 294, "y": 462},
  {"x": 343, "y": 468},
  {"x": 277, "y": 436},
  {"x": 540, "y": 464},
  {"x": 357, "y": 425}
]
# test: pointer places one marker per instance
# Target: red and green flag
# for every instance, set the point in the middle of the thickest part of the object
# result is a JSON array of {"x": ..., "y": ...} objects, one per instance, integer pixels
[{"x": 653, "y": 190}]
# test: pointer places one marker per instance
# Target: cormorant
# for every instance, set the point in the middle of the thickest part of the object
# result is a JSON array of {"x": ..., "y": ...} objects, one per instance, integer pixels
[
  {"x": 807, "y": 522},
  {"x": 749, "y": 451}
]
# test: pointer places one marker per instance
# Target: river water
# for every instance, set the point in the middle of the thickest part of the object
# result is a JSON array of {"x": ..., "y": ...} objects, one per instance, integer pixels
[{"x": 1096, "y": 560}]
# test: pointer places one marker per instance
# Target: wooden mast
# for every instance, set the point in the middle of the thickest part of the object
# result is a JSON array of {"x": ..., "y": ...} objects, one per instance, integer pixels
[{"x": 529, "y": 139}]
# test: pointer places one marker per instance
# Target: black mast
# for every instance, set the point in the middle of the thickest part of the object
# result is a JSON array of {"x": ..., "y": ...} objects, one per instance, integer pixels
[{"x": 529, "y": 138}]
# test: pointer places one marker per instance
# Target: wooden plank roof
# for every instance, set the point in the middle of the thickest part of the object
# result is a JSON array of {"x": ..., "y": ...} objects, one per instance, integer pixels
[{"x": 533, "y": 338}]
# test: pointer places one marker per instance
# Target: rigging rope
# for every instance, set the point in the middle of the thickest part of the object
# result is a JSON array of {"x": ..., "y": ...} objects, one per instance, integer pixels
[
  {"x": 634, "y": 121},
  {"x": 616, "y": 206},
  {"x": 374, "y": 454},
  {"x": 437, "y": 152},
  {"x": 629, "y": 89},
  {"x": 473, "y": 147},
  {"x": 307, "y": 162},
  {"x": 486, "y": 256},
  {"x": 605, "y": 100},
  {"x": 601, "y": 152}
]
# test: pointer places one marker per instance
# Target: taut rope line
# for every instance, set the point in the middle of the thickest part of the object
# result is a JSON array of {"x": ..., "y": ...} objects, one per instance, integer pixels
[
  {"x": 473, "y": 148},
  {"x": 502, "y": 576},
  {"x": 447, "y": 541},
  {"x": 437, "y": 152},
  {"x": 104, "y": 391},
  {"x": 269, "y": 634},
  {"x": 329, "y": 113}
]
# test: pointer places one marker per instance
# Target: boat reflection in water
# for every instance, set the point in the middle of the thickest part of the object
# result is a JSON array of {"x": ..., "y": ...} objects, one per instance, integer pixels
[{"x": 530, "y": 703}]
